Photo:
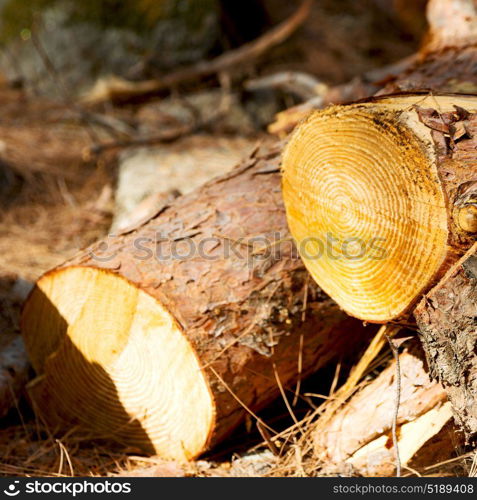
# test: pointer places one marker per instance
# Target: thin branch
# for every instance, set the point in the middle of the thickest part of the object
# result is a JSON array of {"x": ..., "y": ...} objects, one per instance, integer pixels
[
  {"x": 169, "y": 135},
  {"x": 395, "y": 351},
  {"x": 302, "y": 84},
  {"x": 119, "y": 90}
]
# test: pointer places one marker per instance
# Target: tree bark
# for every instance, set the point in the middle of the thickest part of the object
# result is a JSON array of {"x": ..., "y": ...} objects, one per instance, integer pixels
[
  {"x": 161, "y": 337},
  {"x": 446, "y": 317}
]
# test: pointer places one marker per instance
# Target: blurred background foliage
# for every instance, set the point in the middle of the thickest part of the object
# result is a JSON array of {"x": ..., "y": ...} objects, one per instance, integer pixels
[
  {"x": 140, "y": 39},
  {"x": 140, "y": 15}
]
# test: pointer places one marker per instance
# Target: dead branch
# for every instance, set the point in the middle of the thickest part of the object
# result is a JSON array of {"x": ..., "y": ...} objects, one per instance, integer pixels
[
  {"x": 358, "y": 88},
  {"x": 301, "y": 84},
  {"x": 119, "y": 90}
]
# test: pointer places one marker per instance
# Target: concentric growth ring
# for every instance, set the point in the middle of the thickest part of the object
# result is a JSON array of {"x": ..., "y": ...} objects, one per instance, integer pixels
[{"x": 365, "y": 208}]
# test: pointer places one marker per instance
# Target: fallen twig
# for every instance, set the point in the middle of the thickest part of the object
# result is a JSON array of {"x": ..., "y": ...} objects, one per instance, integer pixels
[{"x": 302, "y": 84}]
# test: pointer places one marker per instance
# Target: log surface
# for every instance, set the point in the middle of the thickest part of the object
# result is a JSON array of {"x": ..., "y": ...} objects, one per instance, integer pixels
[
  {"x": 245, "y": 305},
  {"x": 446, "y": 317},
  {"x": 358, "y": 436}
]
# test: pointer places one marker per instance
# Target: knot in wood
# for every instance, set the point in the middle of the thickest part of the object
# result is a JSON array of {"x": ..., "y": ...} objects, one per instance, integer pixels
[{"x": 467, "y": 218}]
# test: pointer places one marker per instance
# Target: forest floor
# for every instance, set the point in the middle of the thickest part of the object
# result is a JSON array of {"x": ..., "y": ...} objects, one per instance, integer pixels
[{"x": 57, "y": 196}]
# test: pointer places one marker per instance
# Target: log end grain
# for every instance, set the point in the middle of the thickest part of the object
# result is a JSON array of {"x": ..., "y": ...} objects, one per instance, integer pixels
[
  {"x": 379, "y": 197},
  {"x": 111, "y": 357},
  {"x": 364, "y": 204}
]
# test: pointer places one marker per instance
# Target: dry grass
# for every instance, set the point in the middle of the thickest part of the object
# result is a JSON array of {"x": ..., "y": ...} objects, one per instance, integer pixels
[
  {"x": 60, "y": 205},
  {"x": 296, "y": 444},
  {"x": 298, "y": 458},
  {"x": 56, "y": 204},
  {"x": 28, "y": 450}
]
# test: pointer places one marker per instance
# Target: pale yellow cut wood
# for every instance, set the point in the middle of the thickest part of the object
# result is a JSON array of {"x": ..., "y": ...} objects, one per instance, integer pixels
[
  {"x": 117, "y": 361},
  {"x": 365, "y": 203},
  {"x": 377, "y": 457}
]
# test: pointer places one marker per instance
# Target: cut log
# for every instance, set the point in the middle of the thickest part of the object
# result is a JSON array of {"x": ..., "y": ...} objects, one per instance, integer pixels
[
  {"x": 447, "y": 321},
  {"x": 385, "y": 190},
  {"x": 357, "y": 439},
  {"x": 161, "y": 337},
  {"x": 387, "y": 185}
]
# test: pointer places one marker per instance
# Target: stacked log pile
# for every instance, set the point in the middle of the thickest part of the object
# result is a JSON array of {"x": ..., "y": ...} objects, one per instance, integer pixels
[{"x": 169, "y": 334}]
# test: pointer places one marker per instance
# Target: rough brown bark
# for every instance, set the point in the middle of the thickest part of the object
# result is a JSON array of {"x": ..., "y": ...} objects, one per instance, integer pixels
[
  {"x": 447, "y": 59},
  {"x": 446, "y": 317},
  {"x": 247, "y": 307}
]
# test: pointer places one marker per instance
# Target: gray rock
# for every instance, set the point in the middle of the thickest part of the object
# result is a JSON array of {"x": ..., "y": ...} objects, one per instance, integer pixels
[{"x": 182, "y": 166}]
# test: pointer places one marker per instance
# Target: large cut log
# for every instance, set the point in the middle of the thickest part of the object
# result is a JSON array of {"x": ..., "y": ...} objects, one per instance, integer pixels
[
  {"x": 386, "y": 188},
  {"x": 447, "y": 321},
  {"x": 162, "y": 336}
]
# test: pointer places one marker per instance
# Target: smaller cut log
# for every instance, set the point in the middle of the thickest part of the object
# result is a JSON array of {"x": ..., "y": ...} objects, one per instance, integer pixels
[{"x": 357, "y": 439}]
